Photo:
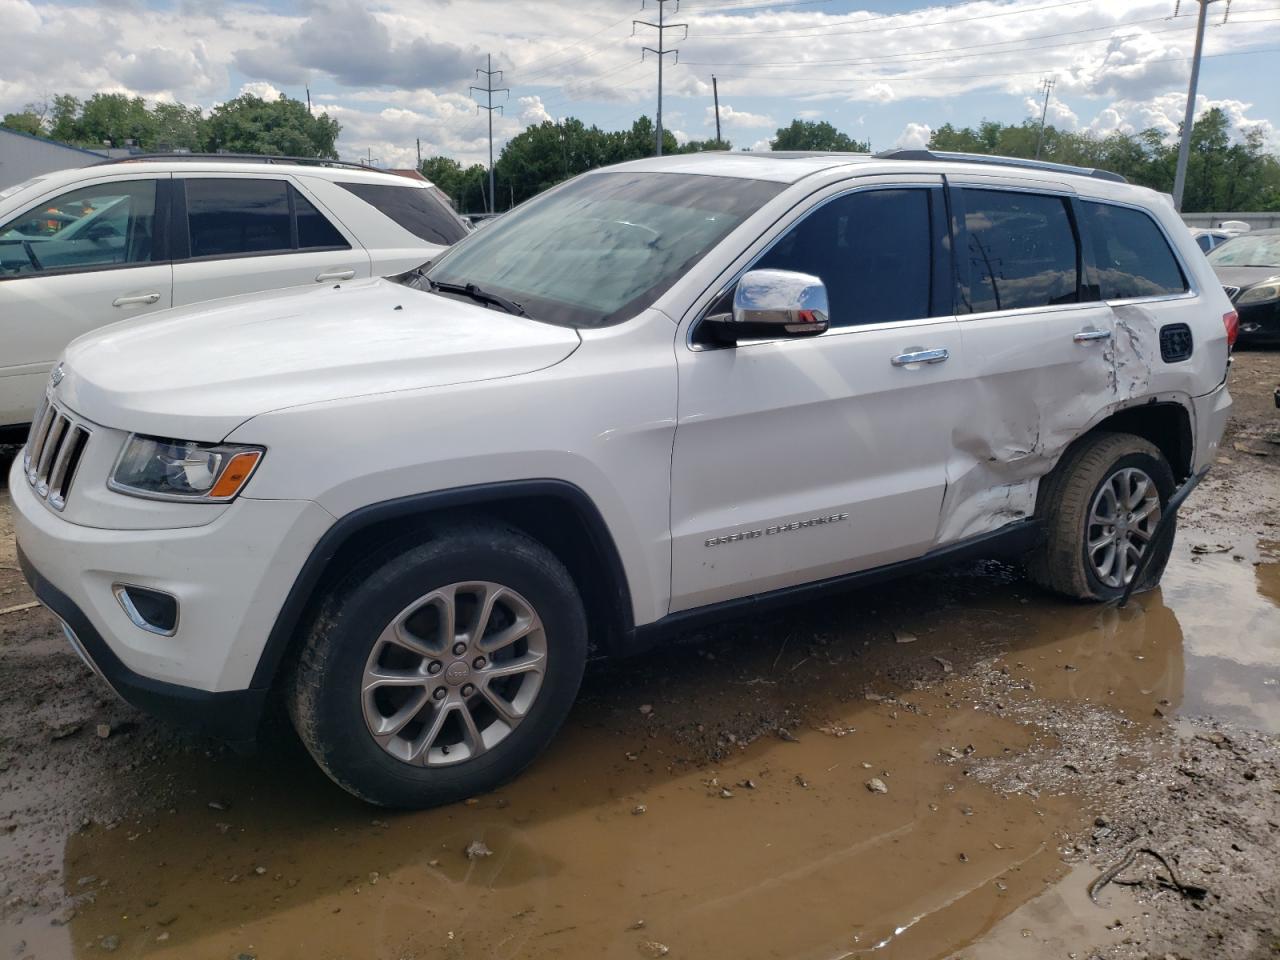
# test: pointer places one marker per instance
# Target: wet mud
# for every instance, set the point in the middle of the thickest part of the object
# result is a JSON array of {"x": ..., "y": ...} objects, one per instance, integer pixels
[{"x": 933, "y": 768}]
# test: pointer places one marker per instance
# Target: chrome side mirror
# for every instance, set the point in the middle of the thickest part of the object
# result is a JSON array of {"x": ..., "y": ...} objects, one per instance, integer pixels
[{"x": 769, "y": 304}]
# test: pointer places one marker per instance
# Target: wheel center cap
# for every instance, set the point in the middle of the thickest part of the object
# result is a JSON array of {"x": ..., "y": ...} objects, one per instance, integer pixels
[{"x": 457, "y": 673}]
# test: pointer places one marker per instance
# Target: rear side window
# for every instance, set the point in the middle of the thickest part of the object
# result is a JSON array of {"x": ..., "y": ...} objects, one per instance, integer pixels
[
  {"x": 415, "y": 209},
  {"x": 1132, "y": 256},
  {"x": 243, "y": 216},
  {"x": 314, "y": 231},
  {"x": 872, "y": 251},
  {"x": 230, "y": 217},
  {"x": 1021, "y": 252}
]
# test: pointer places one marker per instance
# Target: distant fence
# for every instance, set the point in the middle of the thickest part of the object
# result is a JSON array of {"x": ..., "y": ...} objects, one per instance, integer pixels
[{"x": 1256, "y": 221}]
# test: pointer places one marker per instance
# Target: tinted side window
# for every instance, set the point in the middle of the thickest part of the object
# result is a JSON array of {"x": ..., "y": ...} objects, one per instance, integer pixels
[
  {"x": 229, "y": 217},
  {"x": 107, "y": 224},
  {"x": 314, "y": 229},
  {"x": 413, "y": 208},
  {"x": 1021, "y": 252},
  {"x": 870, "y": 248},
  {"x": 1132, "y": 256}
]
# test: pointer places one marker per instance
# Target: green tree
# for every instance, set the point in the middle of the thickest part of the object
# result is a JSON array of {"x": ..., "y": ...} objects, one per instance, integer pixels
[
  {"x": 116, "y": 119},
  {"x": 249, "y": 124},
  {"x": 25, "y": 122},
  {"x": 177, "y": 127},
  {"x": 815, "y": 135}
]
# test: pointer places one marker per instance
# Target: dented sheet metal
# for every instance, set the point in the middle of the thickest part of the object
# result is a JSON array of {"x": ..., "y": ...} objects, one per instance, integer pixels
[{"x": 1031, "y": 389}]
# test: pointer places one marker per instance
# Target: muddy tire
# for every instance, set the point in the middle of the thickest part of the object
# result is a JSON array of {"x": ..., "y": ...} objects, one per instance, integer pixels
[
  {"x": 1099, "y": 508},
  {"x": 439, "y": 670}
]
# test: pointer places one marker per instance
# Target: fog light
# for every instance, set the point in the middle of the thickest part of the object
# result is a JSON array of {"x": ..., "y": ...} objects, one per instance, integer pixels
[{"x": 151, "y": 610}]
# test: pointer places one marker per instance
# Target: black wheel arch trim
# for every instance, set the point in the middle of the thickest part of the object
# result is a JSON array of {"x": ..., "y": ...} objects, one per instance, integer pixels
[{"x": 330, "y": 544}]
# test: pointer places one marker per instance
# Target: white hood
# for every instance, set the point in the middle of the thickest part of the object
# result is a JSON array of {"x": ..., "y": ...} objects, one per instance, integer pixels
[{"x": 198, "y": 372}]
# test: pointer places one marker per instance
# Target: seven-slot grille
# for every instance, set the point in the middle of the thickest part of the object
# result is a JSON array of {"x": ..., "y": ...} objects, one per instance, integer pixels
[
  {"x": 1232, "y": 292},
  {"x": 54, "y": 448}
]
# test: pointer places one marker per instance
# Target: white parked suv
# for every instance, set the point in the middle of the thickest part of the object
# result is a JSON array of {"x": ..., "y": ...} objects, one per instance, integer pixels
[
  {"x": 83, "y": 248},
  {"x": 661, "y": 392}
]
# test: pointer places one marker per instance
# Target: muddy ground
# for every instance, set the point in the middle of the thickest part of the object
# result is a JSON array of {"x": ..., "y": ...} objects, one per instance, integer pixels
[{"x": 722, "y": 797}]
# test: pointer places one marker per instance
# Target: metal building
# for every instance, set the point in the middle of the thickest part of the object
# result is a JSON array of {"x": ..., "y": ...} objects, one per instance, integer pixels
[{"x": 23, "y": 156}]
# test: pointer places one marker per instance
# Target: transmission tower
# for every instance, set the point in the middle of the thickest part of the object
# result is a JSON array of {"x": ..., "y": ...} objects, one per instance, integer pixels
[
  {"x": 490, "y": 77},
  {"x": 661, "y": 52}
]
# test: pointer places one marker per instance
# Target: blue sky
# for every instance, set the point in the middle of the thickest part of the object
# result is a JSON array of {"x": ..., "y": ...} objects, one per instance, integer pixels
[{"x": 889, "y": 71}]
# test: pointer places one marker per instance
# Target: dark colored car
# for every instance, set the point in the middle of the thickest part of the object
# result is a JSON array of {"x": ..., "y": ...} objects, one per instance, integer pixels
[{"x": 1249, "y": 268}]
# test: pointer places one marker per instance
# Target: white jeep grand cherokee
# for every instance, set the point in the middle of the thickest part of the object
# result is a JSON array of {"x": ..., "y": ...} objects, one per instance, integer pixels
[{"x": 661, "y": 392}]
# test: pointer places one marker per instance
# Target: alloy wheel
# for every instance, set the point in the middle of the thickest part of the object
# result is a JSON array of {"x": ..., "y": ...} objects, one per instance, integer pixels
[
  {"x": 454, "y": 673},
  {"x": 1122, "y": 520}
]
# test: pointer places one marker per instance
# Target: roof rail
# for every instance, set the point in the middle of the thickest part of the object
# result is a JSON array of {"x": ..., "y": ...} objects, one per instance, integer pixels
[
  {"x": 240, "y": 158},
  {"x": 944, "y": 155}
]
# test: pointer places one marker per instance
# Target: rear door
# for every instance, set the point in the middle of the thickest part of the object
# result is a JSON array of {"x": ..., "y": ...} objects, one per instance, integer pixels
[
  {"x": 1038, "y": 345},
  {"x": 244, "y": 233},
  {"x": 71, "y": 262},
  {"x": 797, "y": 460}
]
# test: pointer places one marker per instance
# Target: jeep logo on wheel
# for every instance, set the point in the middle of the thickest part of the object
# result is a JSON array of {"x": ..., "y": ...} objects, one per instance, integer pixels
[{"x": 458, "y": 672}]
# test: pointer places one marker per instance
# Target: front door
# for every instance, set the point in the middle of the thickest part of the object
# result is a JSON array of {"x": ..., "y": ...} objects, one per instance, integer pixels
[
  {"x": 797, "y": 460},
  {"x": 73, "y": 262}
]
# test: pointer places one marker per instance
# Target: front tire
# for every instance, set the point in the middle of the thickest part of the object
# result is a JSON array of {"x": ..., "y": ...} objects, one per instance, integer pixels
[
  {"x": 441, "y": 669},
  {"x": 1100, "y": 508}
]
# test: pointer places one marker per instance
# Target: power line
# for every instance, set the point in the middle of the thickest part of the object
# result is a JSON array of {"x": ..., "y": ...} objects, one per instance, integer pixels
[
  {"x": 952, "y": 53},
  {"x": 966, "y": 76},
  {"x": 662, "y": 50},
  {"x": 826, "y": 31},
  {"x": 489, "y": 90},
  {"x": 524, "y": 78}
]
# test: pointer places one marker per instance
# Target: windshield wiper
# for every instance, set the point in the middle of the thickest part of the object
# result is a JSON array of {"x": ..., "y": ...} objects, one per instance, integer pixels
[{"x": 478, "y": 295}]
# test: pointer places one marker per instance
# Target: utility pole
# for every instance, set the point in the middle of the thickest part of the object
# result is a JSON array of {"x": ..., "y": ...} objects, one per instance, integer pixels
[
  {"x": 1184, "y": 147},
  {"x": 419, "y": 154},
  {"x": 308, "y": 89},
  {"x": 489, "y": 90},
  {"x": 1047, "y": 86},
  {"x": 715, "y": 94},
  {"x": 661, "y": 52}
]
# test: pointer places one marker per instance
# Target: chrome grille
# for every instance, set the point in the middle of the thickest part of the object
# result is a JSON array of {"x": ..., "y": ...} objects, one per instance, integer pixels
[
  {"x": 1232, "y": 292},
  {"x": 54, "y": 448}
]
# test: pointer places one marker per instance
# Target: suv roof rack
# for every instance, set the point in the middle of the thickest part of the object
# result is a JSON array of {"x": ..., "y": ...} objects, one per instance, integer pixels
[
  {"x": 943, "y": 155},
  {"x": 241, "y": 158}
]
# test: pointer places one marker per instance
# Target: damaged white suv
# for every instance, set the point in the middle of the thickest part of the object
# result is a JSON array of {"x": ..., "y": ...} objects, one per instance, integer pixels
[{"x": 662, "y": 392}]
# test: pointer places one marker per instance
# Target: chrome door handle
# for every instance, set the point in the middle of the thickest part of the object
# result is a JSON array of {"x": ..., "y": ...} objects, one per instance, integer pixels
[
  {"x": 140, "y": 298},
  {"x": 1086, "y": 336},
  {"x": 335, "y": 275},
  {"x": 921, "y": 356}
]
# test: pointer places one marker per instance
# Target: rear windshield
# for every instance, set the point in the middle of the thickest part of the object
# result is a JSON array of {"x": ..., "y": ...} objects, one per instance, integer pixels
[
  {"x": 419, "y": 211},
  {"x": 604, "y": 246}
]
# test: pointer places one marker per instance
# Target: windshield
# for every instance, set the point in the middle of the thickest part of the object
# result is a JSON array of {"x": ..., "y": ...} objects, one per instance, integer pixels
[
  {"x": 604, "y": 246},
  {"x": 1255, "y": 251}
]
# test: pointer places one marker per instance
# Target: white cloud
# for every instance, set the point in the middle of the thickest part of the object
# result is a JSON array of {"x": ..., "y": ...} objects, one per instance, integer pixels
[
  {"x": 532, "y": 111},
  {"x": 737, "y": 119},
  {"x": 1164, "y": 113},
  {"x": 877, "y": 93},
  {"x": 261, "y": 89},
  {"x": 1060, "y": 115},
  {"x": 914, "y": 136}
]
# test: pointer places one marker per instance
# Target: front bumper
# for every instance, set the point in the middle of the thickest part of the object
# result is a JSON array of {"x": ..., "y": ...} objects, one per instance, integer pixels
[
  {"x": 231, "y": 715},
  {"x": 230, "y": 577}
]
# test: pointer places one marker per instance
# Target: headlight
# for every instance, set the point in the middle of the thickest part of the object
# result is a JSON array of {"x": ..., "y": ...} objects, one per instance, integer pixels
[
  {"x": 1260, "y": 294},
  {"x": 183, "y": 470}
]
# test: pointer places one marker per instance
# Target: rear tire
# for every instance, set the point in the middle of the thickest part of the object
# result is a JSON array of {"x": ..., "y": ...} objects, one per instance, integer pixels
[
  {"x": 1099, "y": 507},
  {"x": 409, "y": 695}
]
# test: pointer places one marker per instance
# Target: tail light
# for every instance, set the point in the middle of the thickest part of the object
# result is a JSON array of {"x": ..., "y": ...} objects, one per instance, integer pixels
[{"x": 1232, "y": 322}]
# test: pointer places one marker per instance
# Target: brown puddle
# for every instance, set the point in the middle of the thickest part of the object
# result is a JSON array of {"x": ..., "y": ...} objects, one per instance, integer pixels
[{"x": 804, "y": 862}]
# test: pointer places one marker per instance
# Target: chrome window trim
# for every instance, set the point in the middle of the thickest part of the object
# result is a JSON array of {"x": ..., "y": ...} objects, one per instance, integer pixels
[{"x": 928, "y": 181}]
